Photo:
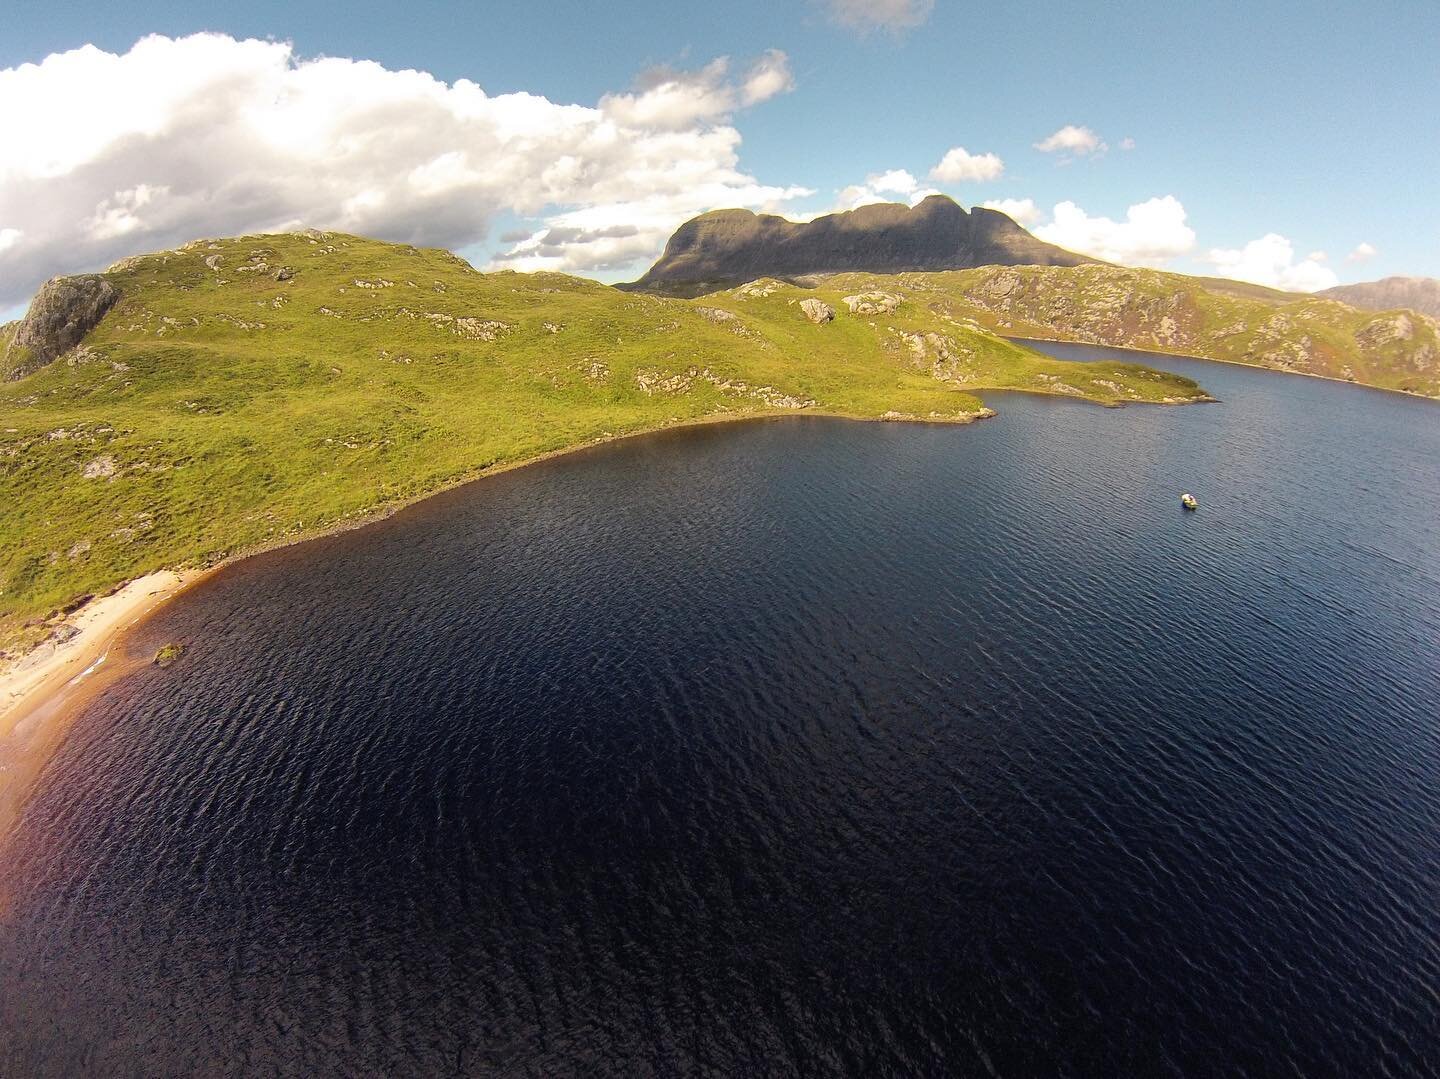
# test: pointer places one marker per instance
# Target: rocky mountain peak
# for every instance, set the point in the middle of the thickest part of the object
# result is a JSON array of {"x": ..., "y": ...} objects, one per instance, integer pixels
[{"x": 725, "y": 247}]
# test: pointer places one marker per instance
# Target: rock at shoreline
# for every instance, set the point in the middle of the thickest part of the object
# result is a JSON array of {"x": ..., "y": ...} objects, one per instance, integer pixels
[
  {"x": 169, "y": 653},
  {"x": 62, "y": 313}
]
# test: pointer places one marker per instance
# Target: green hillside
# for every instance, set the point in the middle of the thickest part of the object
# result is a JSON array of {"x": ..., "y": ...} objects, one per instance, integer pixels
[
  {"x": 1165, "y": 312},
  {"x": 249, "y": 391}
]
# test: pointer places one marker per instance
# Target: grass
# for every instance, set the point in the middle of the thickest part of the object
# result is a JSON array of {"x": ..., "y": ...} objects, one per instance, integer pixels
[
  {"x": 219, "y": 408},
  {"x": 1165, "y": 312}
]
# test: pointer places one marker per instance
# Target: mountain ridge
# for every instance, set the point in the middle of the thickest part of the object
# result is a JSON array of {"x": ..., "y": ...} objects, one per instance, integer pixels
[
  {"x": 1010, "y": 281},
  {"x": 723, "y": 248},
  {"x": 1420, "y": 294}
]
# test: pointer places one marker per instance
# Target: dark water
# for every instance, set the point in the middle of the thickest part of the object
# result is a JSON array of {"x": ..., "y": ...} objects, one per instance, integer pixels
[{"x": 798, "y": 747}]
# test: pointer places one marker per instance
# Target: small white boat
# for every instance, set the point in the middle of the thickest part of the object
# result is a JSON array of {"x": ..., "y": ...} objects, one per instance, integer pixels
[{"x": 1188, "y": 501}]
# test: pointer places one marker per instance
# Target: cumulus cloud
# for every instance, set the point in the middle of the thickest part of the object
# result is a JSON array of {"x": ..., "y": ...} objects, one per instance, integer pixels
[
  {"x": 1023, "y": 211},
  {"x": 867, "y": 16},
  {"x": 620, "y": 234},
  {"x": 1127, "y": 143},
  {"x": 1270, "y": 260},
  {"x": 1153, "y": 232},
  {"x": 1072, "y": 141},
  {"x": 767, "y": 77},
  {"x": 1363, "y": 253},
  {"x": 895, "y": 185},
  {"x": 105, "y": 154},
  {"x": 959, "y": 165},
  {"x": 672, "y": 100},
  {"x": 896, "y": 180}
]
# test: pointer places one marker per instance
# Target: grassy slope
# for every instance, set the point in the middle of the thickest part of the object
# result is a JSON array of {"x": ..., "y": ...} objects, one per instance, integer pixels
[
  {"x": 219, "y": 409},
  {"x": 1165, "y": 312}
]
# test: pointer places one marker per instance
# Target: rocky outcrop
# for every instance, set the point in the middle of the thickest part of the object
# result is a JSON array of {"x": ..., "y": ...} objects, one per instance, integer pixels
[
  {"x": 1384, "y": 331},
  {"x": 1417, "y": 293},
  {"x": 62, "y": 313},
  {"x": 652, "y": 382},
  {"x": 946, "y": 359},
  {"x": 817, "y": 311},
  {"x": 1101, "y": 304},
  {"x": 719, "y": 249},
  {"x": 872, "y": 303},
  {"x": 101, "y": 468}
]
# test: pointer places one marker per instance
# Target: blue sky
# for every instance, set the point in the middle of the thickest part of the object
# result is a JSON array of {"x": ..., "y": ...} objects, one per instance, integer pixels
[{"x": 1268, "y": 119}]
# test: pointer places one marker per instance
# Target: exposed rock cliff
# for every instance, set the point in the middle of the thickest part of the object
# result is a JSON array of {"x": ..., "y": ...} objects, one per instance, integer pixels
[
  {"x": 719, "y": 249},
  {"x": 1417, "y": 293},
  {"x": 62, "y": 313}
]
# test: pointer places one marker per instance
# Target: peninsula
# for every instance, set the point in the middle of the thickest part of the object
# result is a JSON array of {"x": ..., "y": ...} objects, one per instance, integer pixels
[{"x": 192, "y": 405}]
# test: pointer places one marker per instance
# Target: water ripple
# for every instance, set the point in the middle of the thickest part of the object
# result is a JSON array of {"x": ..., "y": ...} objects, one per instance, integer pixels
[{"x": 805, "y": 747}]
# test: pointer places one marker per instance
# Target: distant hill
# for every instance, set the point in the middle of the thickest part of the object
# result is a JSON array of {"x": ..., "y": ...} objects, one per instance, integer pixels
[
  {"x": 728, "y": 247},
  {"x": 1417, "y": 293},
  {"x": 996, "y": 273},
  {"x": 1194, "y": 316}
]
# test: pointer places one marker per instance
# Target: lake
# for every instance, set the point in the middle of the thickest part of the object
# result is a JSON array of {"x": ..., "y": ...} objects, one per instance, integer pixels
[{"x": 797, "y": 746}]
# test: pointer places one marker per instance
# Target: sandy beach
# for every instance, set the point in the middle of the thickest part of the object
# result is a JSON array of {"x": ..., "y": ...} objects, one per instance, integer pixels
[
  {"x": 37, "y": 690},
  {"x": 44, "y": 672}
]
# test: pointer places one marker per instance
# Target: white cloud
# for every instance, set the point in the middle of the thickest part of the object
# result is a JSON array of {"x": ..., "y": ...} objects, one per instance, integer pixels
[
  {"x": 121, "y": 212},
  {"x": 1153, "y": 232},
  {"x": 104, "y": 154},
  {"x": 1270, "y": 260},
  {"x": 617, "y": 235},
  {"x": 1072, "y": 141},
  {"x": 767, "y": 77},
  {"x": 849, "y": 198},
  {"x": 896, "y": 185},
  {"x": 878, "y": 187},
  {"x": 1363, "y": 253},
  {"x": 1024, "y": 211},
  {"x": 1127, "y": 143},
  {"x": 1318, "y": 256},
  {"x": 896, "y": 180},
  {"x": 865, "y": 16},
  {"x": 672, "y": 100},
  {"x": 959, "y": 165}
]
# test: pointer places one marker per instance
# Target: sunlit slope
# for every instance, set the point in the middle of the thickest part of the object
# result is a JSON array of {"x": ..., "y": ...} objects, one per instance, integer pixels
[
  {"x": 1166, "y": 312},
  {"x": 245, "y": 391}
]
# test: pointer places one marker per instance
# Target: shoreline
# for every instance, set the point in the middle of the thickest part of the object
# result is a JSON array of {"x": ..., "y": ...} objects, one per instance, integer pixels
[
  {"x": 42, "y": 691},
  {"x": 23, "y": 693},
  {"x": 99, "y": 624},
  {"x": 1212, "y": 359},
  {"x": 39, "y": 695},
  {"x": 47, "y": 687}
]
